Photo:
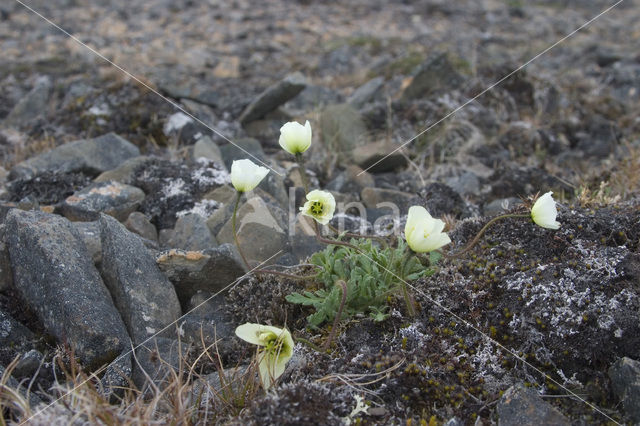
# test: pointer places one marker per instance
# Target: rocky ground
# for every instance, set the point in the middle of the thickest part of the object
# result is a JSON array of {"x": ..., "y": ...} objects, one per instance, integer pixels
[{"x": 116, "y": 204}]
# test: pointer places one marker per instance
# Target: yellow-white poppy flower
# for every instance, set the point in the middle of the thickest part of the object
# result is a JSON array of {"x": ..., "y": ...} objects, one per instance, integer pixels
[
  {"x": 320, "y": 205},
  {"x": 424, "y": 233},
  {"x": 295, "y": 138},
  {"x": 544, "y": 212},
  {"x": 246, "y": 175},
  {"x": 276, "y": 349}
]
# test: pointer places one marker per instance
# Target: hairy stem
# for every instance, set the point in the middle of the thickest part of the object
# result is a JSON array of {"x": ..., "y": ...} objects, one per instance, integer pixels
[
  {"x": 408, "y": 300},
  {"x": 303, "y": 172},
  {"x": 336, "y": 321},
  {"x": 235, "y": 233}
]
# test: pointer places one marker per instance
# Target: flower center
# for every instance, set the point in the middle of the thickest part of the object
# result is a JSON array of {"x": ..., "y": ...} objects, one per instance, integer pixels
[{"x": 316, "y": 208}]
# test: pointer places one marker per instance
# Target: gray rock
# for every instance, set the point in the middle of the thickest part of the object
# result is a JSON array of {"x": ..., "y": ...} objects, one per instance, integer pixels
[
  {"x": 28, "y": 364},
  {"x": 467, "y": 183},
  {"x": 240, "y": 149},
  {"x": 124, "y": 173},
  {"x": 31, "y": 106},
  {"x": 366, "y": 92},
  {"x": 91, "y": 156},
  {"x": 310, "y": 99},
  {"x": 139, "y": 223},
  {"x": 625, "y": 381},
  {"x": 500, "y": 206},
  {"x": 144, "y": 296},
  {"x": 351, "y": 180},
  {"x": 600, "y": 138},
  {"x": 210, "y": 270},
  {"x": 342, "y": 129},
  {"x": 206, "y": 322},
  {"x": 90, "y": 234},
  {"x": 440, "y": 199},
  {"x": 205, "y": 147},
  {"x": 72, "y": 302},
  {"x": 113, "y": 198},
  {"x": 273, "y": 97},
  {"x": 373, "y": 197},
  {"x": 273, "y": 185},
  {"x": 191, "y": 233},
  {"x": 520, "y": 406},
  {"x": 261, "y": 230},
  {"x": 219, "y": 218},
  {"x": 117, "y": 377},
  {"x": 436, "y": 75},
  {"x": 378, "y": 157},
  {"x": 267, "y": 130},
  {"x": 154, "y": 361},
  {"x": 6, "y": 278},
  {"x": 14, "y": 337}
]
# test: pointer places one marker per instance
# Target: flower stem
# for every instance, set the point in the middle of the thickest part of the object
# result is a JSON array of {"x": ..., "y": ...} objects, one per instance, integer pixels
[
  {"x": 411, "y": 310},
  {"x": 235, "y": 233},
  {"x": 483, "y": 230},
  {"x": 336, "y": 320},
  {"x": 303, "y": 172}
]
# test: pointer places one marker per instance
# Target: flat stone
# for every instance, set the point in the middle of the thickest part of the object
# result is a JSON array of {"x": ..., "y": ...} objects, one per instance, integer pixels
[
  {"x": 144, "y": 296},
  {"x": 112, "y": 198},
  {"x": 72, "y": 302},
  {"x": 378, "y": 157},
  {"x": 241, "y": 148},
  {"x": 91, "y": 156},
  {"x": 205, "y": 147},
  {"x": 260, "y": 229},
  {"x": 311, "y": 98},
  {"x": 191, "y": 233},
  {"x": 436, "y": 75},
  {"x": 139, "y": 223},
  {"x": 33, "y": 105},
  {"x": 209, "y": 270},
  {"x": 520, "y": 406},
  {"x": 366, "y": 92},
  {"x": 124, "y": 173},
  {"x": 273, "y": 97},
  {"x": 373, "y": 197},
  {"x": 625, "y": 381},
  {"x": 175, "y": 188},
  {"x": 352, "y": 180},
  {"x": 342, "y": 129}
]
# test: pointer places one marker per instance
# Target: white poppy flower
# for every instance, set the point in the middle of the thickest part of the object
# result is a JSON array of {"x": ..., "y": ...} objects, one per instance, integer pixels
[
  {"x": 295, "y": 138},
  {"x": 544, "y": 212},
  {"x": 320, "y": 205},
  {"x": 424, "y": 233},
  {"x": 246, "y": 175},
  {"x": 277, "y": 349}
]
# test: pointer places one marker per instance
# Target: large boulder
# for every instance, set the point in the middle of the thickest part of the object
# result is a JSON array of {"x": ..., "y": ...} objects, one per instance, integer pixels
[
  {"x": 55, "y": 274},
  {"x": 144, "y": 296},
  {"x": 92, "y": 156}
]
